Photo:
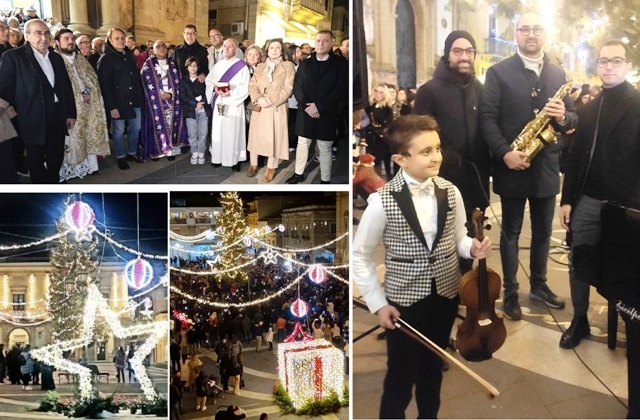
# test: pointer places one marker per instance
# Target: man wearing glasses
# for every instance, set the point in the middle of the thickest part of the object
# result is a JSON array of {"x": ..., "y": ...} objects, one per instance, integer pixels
[
  {"x": 452, "y": 98},
  {"x": 191, "y": 48},
  {"x": 35, "y": 81},
  {"x": 515, "y": 90},
  {"x": 216, "y": 51},
  {"x": 603, "y": 166}
]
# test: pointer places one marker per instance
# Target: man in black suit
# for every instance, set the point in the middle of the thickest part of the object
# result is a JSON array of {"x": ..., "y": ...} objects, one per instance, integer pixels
[{"x": 35, "y": 81}]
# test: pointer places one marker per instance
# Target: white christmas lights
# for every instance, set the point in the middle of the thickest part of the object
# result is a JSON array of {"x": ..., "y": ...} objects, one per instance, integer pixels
[
  {"x": 130, "y": 250},
  {"x": 35, "y": 243},
  {"x": 310, "y": 370}
]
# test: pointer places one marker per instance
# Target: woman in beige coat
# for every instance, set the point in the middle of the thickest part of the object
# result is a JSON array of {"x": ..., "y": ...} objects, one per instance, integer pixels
[{"x": 270, "y": 88}]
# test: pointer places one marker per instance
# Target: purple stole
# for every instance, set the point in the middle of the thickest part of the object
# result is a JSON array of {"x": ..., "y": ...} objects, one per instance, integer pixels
[
  {"x": 228, "y": 75},
  {"x": 157, "y": 136}
]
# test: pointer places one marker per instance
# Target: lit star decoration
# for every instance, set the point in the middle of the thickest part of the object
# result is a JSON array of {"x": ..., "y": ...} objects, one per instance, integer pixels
[
  {"x": 317, "y": 274},
  {"x": 310, "y": 370},
  {"x": 148, "y": 305},
  {"x": 156, "y": 330},
  {"x": 270, "y": 257},
  {"x": 79, "y": 217},
  {"x": 52, "y": 354},
  {"x": 299, "y": 308},
  {"x": 138, "y": 273}
]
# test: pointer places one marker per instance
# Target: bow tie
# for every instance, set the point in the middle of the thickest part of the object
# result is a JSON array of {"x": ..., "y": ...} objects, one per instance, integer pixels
[{"x": 427, "y": 187}]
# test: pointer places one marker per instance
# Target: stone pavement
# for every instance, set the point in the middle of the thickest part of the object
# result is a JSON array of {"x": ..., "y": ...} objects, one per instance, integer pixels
[
  {"x": 16, "y": 403},
  {"x": 260, "y": 375},
  {"x": 180, "y": 171}
]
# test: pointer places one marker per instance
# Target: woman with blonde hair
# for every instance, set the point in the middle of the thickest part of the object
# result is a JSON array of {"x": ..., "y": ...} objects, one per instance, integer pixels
[
  {"x": 270, "y": 88},
  {"x": 195, "y": 366}
]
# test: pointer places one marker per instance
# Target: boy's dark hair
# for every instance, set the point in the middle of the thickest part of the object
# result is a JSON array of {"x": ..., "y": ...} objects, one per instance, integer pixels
[{"x": 399, "y": 133}]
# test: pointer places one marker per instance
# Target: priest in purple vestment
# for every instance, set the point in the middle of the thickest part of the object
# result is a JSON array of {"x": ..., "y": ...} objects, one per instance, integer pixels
[{"x": 163, "y": 128}]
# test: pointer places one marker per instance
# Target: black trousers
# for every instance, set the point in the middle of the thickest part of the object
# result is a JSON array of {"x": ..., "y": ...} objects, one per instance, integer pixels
[
  {"x": 410, "y": 363},
  {"x": 44, "y": 160}
]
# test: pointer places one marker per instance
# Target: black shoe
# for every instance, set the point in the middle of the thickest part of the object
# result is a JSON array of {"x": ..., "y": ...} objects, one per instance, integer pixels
[
  {"x": 171, "y": 158},
  {"x": 236, "y": 167},
  {"x": 578, "y": 330},
  {"x": 295, "y": 179},
  {"x": 155, "y": 159},
  {"x": 185, "y": 149},
  {"x": 122, "y": 164},
  {"x": 545, "y": 294},
  {"x": 216, "y": 165},
  {"x": 134, "y": 158},
  {"x": 511, "y": 308},
  {"x": 325, "y": 182}
]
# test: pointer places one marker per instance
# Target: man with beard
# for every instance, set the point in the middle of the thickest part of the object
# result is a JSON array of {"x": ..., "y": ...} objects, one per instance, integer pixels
[
  {"x": 163, "y": 128},
  {"x": 452, "y": 98},
  {"x": 90, "y": 136},
  {"x": 35, "y": 81},
  {"x": 515, "y": 90}
]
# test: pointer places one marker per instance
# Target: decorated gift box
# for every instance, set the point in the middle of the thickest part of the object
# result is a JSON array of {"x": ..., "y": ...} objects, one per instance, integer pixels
[{"x": 310, "y": 369}]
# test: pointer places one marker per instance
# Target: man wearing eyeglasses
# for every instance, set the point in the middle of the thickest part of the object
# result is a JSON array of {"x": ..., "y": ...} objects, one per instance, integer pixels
[
  {"x": 35, "y": 81},
  {"x": 191, "y": 48},
  {"x": 215, "y": 53},
  {"x": 452, "y": 98},
  {"x": 515, "y": 90},
  {"x": 603, "y": 166}
]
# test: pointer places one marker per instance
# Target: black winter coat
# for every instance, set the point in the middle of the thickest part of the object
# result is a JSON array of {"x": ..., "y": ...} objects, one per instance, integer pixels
[
  {"x": 188, "y": 92},
  {"x": 510, "y": 99},
  {"x": 326, "y": 87},
  {"x": 619, "y": 132},
  {"x": 453, "y": 101},
  {"x": 184, "y": 51},
  {"x": 120, "y": 82},
  {"x": 21, "y": 87}
]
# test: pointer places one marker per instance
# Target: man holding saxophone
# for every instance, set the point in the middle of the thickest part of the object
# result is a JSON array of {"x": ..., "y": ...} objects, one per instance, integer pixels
[{"x": 519, "y": 90}]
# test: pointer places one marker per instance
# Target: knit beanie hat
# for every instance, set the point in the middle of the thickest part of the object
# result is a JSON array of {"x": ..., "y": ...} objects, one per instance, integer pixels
[{"x": 452, "y": 38}]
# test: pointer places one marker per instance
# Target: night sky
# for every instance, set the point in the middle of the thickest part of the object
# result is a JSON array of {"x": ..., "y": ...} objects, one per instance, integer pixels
[{"x": 26, "y": 218}]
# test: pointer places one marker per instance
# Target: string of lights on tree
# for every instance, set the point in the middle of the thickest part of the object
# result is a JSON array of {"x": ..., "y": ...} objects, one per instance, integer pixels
[{"x": 209, "y": 235}]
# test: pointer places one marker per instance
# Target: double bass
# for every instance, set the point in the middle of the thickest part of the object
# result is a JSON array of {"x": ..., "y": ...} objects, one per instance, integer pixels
[{"x": 483, "y": 331}]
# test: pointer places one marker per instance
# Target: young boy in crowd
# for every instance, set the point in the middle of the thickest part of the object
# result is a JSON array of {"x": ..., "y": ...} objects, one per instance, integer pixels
[
  {"x": 420, "y": 219},
  {"x": 196, "y": 111}
]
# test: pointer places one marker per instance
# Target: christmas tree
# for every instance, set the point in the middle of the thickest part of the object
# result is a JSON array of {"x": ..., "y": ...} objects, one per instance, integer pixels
[
  {"x": 232, "y": 227},
  {"x": 72, "y": 264}
]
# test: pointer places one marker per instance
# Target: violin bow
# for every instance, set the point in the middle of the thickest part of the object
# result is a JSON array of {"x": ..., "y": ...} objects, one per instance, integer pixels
[{"x": 422, "y": 339}]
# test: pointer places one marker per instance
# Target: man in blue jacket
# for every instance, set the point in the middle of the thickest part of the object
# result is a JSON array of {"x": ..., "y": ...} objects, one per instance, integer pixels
[{"x": 515, "y": 90}]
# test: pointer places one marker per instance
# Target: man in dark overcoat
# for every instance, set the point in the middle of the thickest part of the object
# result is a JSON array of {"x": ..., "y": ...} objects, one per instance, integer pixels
[
  {"x": 321, "y": 82},
  {"x": 35, "y": 81},
  {"x": 515, "y": 91}
]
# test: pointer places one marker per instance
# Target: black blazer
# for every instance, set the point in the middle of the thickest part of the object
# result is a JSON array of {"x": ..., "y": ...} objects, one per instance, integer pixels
[
  {"x": 21, "y": 87},
  {"x": 326, "y": 88},
  {"x": 507, "y": 105}
]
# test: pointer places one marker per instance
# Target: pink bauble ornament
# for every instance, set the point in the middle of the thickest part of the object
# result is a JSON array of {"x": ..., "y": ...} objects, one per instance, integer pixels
[
  {"x": 299, "y": 308},
  {"x": 138, "y": 273},
  {"x": 317, "y": 274},
  {"x": 79, "y": 217}
]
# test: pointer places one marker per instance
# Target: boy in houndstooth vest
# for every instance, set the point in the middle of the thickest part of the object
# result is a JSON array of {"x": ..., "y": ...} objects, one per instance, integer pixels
[{"x": 420, "y": 219}]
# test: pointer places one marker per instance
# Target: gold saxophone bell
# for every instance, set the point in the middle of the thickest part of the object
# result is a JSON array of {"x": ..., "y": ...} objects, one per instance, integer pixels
[{"x": 539, "y": 132}]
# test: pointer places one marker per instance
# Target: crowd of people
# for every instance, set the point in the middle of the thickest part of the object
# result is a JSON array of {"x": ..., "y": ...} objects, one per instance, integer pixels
[
  {"x": 459, "y": 132},
  {"x": 20, "y": 368},
  {"x": 227, "y": 331},
  {"x": 226, "y": 102}
]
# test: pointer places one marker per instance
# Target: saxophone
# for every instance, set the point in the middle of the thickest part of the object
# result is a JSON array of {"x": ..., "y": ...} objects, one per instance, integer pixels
[{"x": 539, "y": 132}]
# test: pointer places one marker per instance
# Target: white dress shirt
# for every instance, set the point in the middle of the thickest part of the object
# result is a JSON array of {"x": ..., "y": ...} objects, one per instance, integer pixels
[
  {"x": 370, "y": 234},
  {"x": 47, "y": 68}
]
